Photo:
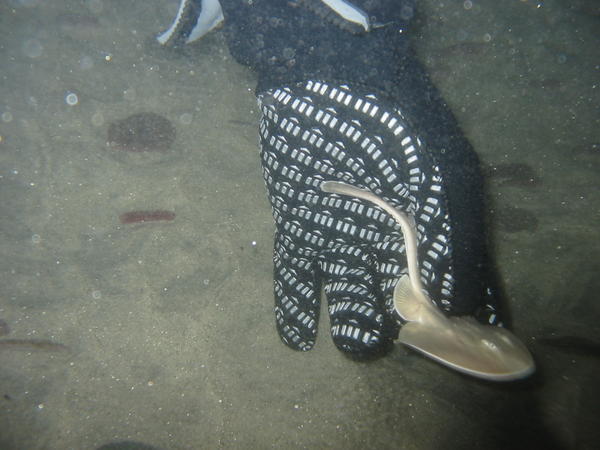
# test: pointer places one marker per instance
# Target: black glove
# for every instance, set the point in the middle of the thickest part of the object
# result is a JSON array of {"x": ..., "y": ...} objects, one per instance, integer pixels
[{"x": 343, "y": 98}]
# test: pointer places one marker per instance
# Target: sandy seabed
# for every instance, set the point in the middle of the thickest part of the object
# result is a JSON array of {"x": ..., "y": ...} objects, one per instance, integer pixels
[{"x": 167, "y": 327}]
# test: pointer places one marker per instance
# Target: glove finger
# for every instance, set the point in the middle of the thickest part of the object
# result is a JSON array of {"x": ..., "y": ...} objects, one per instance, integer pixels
[
  {"x": 358, "y": 323},
  {"x": 296, "y": 301}
]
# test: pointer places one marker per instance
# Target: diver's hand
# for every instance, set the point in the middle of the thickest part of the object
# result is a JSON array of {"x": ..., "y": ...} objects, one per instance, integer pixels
[
  {"x": 312, "y": 132},
  {"x": 343, "y": 103}
]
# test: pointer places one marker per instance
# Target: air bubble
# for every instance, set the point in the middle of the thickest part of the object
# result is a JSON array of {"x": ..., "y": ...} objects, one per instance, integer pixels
[
  {"x": 7, "y": 117},
  {"x": 71, "y": 99},
  {"x": 186, "y": 118}
]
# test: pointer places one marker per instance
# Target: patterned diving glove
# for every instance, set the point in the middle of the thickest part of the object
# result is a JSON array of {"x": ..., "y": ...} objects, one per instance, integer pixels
[
  {"x": 343, "y": 98},
  {"x": 314, "y": 131}
]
